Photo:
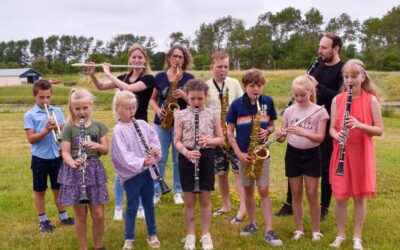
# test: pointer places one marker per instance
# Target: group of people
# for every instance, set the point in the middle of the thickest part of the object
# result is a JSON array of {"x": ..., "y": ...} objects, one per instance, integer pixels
[{"x": 212, "y": 130}]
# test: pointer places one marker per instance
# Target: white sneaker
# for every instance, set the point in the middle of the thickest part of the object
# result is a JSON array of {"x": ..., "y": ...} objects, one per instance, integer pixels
[
  {"x": 118, "y": 213},
  {"x": 206, "y": 242},
  {"x": 190, "y": 242},
  {"x": 128, "y": 245},
  {"x": 337, "y": 242},
  {"x": 140, "y": 213},
  {"x": 178, "y": 199},
  {"x": 317, "y": 236},
  {"x": 297, "y": 235},
  {"x": 357, "y": 244},
  {"x": 156, "y": 199}
]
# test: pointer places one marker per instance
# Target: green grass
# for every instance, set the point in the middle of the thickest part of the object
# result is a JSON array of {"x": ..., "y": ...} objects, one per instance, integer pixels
[{"x": 19, "y": 220}]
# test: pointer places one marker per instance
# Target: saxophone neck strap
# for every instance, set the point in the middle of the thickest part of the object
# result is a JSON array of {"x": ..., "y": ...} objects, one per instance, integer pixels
[{"x": 220, "y": 90}]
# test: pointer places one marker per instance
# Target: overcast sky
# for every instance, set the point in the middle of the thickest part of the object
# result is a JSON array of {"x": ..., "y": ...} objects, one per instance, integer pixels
[{"x": 27, "y": 19}]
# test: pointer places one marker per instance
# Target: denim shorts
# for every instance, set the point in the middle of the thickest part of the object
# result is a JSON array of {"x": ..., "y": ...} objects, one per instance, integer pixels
[{"x": 41, "y": 168}]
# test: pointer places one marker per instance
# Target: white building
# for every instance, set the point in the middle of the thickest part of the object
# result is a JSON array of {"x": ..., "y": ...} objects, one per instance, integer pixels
[{"x": 10, "y": 77}]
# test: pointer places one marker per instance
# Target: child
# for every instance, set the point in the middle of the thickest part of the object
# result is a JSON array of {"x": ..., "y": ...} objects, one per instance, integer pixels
[
  {"x": 303, "y": 156},
  {"x": 219, "y": 86},
  {"x": 46, "y": 160},
  {"x": 70, "y": 176},
  {"x": 132, "y": 164},
  {"x": 240, "y": 118},
  {"x": 365, "y": 121},
  {"x": 210, "y": 135}
]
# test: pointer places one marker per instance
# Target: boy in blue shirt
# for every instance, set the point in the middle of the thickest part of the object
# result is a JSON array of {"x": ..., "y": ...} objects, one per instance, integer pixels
[
  {"x": 46, "y": 158},
  {"x": 240, "y": 118}
]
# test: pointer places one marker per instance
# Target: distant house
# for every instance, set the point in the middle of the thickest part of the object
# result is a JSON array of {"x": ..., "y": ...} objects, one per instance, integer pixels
[{"x": 9, "y": 77}]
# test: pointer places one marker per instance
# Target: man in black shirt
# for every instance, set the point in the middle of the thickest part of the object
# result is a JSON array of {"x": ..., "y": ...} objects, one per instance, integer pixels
[{"x": 328, "y": 74}]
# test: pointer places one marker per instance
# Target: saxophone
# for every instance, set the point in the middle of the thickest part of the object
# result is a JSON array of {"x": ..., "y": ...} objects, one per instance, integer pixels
[
  {"x": 224, "y": 106},
  {"x": 254, "y": 167},
  {"x": 170, "y": 103}
]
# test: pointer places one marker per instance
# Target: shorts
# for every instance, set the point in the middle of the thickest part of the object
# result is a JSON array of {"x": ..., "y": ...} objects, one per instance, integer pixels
[
  {"x": 263, "y": 180},
  {"x": 41, "y": 168},
  {"x": 300, "y": 162},
  {"x": 206, "y": 171},
  {"x": 222, "y": 159}
]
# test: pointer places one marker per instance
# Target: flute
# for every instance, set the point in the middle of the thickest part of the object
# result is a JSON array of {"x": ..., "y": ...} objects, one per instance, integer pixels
[{"x": 111, "y": 65}]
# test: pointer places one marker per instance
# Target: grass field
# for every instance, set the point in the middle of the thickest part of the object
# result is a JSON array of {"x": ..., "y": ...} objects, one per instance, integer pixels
[{"x": 20, "y": 226}]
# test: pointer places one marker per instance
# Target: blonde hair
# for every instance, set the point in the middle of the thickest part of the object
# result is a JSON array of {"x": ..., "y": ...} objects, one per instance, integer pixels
[
  {"x": 143, "y": 50},
  {"x": 78, "y": 94},
  {"x": 122, "y": 97},
  {"x": 356, "y": 66},
  {"x": 306, "y": 83}
]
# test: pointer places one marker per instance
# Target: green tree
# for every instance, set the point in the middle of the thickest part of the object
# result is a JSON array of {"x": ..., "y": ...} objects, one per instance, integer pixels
[{"x": 37, "y": 47}]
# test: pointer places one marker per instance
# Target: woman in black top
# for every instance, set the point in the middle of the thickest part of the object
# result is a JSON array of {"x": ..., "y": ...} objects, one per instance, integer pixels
[
  {"x": 139, "y": 80},
  {"x": 141, "y": 83}
]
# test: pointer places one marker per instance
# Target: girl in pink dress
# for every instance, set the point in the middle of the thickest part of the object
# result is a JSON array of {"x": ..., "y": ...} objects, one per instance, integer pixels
[{"x": 365, "y": 121}]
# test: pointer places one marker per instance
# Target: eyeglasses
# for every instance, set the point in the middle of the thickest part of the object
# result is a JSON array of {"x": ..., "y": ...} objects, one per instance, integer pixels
[{"x": 177, "y": 56}]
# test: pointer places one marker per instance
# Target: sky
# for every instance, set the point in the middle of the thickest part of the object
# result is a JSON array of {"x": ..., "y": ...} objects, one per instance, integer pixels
[{"x": 27, "y": 19}]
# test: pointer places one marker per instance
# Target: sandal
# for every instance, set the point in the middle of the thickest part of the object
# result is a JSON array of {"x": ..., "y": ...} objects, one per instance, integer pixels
[
  {"x": 155, "y": 243},
  {"x": 220, "y": 212},
  {"x": 236, "y": 220},
  {"x": 297, "y": 235},
  {"x": 337, "y": 242},
  {"x": 317, "y": 236},
  {"x": 357, "y": 243}
]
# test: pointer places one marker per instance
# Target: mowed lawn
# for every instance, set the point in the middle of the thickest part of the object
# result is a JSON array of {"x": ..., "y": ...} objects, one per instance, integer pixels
[{"x": 19, "y": 223}]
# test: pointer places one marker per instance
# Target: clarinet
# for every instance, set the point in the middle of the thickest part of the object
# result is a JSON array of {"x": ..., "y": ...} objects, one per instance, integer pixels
[
  {"x": 309, "y": 71},
  {"x": 196, "y": 147},
  {"x": 164, "y": 188},
  {"x": 345, "y": 129},
  {"x": 83, "y": 198}
]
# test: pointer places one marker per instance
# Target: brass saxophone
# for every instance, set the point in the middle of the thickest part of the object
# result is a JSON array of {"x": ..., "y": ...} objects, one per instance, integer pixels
[
  {"x": 254, "y": 167},
  {"x": 224, "y": 106},
  {"x": 170, "y": 103}
]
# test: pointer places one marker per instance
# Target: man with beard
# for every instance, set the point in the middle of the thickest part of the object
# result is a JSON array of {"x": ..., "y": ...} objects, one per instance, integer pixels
[{"x": 328, "y": 74}]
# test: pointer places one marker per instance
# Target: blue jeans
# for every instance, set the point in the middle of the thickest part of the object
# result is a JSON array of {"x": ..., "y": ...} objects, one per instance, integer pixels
[
  {"x": 166, "y": 139},
  {"x": 119, "y": 192},
  {"x": 141, "y": 186}
]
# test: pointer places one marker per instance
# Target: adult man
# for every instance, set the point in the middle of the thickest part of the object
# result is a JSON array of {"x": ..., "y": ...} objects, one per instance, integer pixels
[
  {"x": 219, "y": 86},
  {"x": 329, "y": 77}
]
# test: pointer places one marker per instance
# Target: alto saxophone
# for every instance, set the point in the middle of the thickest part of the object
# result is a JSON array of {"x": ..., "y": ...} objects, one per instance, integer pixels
[
  {"x": 254, "y": 167},
  {"x": 170, "y": 103},
  {"x": 224, "y": 106}
]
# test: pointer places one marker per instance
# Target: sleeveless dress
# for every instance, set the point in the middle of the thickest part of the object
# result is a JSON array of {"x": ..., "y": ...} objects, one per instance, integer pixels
[{"x": 359, "y": 178}]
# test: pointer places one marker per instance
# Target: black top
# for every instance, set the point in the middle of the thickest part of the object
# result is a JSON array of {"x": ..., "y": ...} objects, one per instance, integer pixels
[
  {"x": 330, "y": 81},
  {"x": 143, "y": 97}
]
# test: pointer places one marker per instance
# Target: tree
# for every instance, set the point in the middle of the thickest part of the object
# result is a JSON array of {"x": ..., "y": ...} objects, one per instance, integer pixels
[
  {"x": 52, "y": 47},
  {"x": 344, "y": 27},
  {"x": 37, "y": 47},
  {"x": 205, "y": 39},
  {"x": 177, "y": 38},
  {"x": 39, "y": 64}
]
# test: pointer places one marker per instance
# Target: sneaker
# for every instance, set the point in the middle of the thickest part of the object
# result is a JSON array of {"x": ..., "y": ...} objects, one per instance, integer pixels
[
  {"x": 140, "y": 213},
  {"x": 357, "y": 244},
  {"x": 128, "y": 245},
  {"x": 297, "y": 235},
  {"x": 272, "y": 239},
  {"x": 337, "y": 242},
  {"x": 190, "y": 242},
  {"x": 285, "y": 210},
  {"x": 249, "y": 229},
  {"x": 206, "y": 242},
  {"x": 68, "y": 221},
  {"x": 178, "y": 199},
  {"x": 156, "y": 199},
  {"x": 45, "y": 227},
  {"x": 118, "y": 214},
  {"x": 317, "y": 236},
  {"x": 324, "y": 213}
]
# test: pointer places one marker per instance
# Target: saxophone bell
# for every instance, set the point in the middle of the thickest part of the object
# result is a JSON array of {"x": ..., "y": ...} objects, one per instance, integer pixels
[{"x": 261, "y": 152}]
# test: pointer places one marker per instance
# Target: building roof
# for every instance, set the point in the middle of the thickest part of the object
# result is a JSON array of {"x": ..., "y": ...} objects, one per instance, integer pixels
[{"x": 19, "y": 72}]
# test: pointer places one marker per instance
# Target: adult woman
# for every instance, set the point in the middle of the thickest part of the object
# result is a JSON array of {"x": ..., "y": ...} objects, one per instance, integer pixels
[
  {"x": 139, "y": 81},
  {"x": 178, "y": 60}
]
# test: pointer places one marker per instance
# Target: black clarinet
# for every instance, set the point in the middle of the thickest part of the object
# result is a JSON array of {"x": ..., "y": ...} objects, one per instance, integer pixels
[
  {"x": 196, "y": 147},
  {"x": 83, "y": 198},
  {"x": 309, "y": 71},
  {"x": 345, "y": 129},
  {"x": 164, "y": 188}
]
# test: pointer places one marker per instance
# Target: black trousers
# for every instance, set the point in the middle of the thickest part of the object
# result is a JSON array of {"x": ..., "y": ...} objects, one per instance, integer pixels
[{"x": 326, "y": 148}]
